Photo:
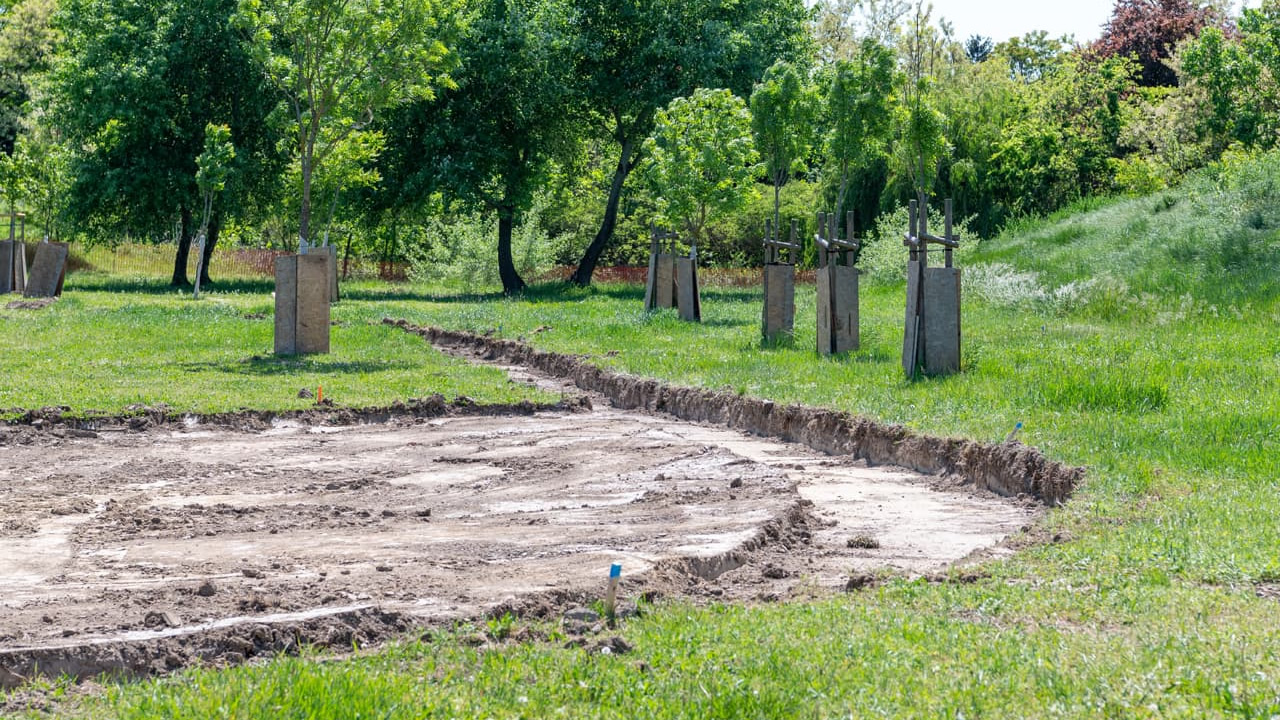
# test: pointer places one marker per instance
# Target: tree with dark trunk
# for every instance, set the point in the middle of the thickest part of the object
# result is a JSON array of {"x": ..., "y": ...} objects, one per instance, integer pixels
[
  {"x": 489, "y": 142},
  {"x": 170, "y": 68},
  {"x": 636, "y": 56}
]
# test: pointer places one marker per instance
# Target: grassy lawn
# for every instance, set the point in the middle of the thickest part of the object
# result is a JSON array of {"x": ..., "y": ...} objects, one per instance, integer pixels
[
  {"x": 108, "y": 344},
  {"x": 1147, "y": 607}
]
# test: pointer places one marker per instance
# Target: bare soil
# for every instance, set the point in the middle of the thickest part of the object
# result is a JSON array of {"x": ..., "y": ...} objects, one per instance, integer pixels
[{"x": 144, "y": 547}]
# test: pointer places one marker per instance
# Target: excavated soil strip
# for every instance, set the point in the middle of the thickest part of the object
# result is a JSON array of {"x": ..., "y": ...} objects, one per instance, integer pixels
[
  {"x": 1009, "y": 469},
  {"x": 109, "y": 518}
]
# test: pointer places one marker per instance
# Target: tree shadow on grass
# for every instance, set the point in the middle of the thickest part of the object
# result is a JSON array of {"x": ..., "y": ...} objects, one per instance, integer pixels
[
  {"x": 93, "y": 282},
  {"x": 267, "y": 366}
]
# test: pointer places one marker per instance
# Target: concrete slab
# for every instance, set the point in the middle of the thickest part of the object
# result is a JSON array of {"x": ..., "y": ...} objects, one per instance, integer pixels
[
  {"x": 48, "y": 271},
  {"x": 665, "y": 286},
  {"x": 13, "y": 267},
  {"x": 313, "y": 303},
  {"x": 286, "y": 305},
  {"x": 779, "y": 301},
  {"x": 911, "y": 324},
  {"x": 689, "y": 299},
  {"x": 942, "y": 320}
]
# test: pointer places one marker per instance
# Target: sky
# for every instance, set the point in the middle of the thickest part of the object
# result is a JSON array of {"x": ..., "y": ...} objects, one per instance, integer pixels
[{"x": 1003, "y": 19}]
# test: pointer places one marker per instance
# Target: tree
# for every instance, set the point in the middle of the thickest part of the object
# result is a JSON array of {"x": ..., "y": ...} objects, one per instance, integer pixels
[
  {"x": 1149, "y": 30},
  {"x": 783, "y": 108},
  {"x": 1033, "y": 54},
  {"x": 28, "y": 41},
  {"x": 212, "y": 167},
  {"x": 701, "y": 162},
  {"x": 139, "y": 84},
  {"x": 859, "y": 112},
  {"x": 636, "y": 56},
  {"x": 978, "y": 48},
  {"x": 921, "y": 125},
  {"x": 489, "y": 142},
  {"x": 840, "y": 26},
  {"x": 1237, "y": 76},
  {"x": 338, "y": 62}
]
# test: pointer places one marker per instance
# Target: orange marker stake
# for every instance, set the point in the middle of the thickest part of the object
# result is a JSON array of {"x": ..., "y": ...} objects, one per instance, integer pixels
[{"x": 319, "y": 394}]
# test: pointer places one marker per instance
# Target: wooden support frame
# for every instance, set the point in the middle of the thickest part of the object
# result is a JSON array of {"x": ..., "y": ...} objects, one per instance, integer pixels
[{"x": 932, "y": 331}]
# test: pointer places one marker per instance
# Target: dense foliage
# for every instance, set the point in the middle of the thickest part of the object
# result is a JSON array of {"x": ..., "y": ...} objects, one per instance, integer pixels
[{"x": 457, "y": 113}]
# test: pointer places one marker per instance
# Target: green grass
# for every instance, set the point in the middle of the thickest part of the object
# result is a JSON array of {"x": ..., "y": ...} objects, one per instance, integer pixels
[
  {"x": 108, "y": 345},
  {"x": 1167, "y": 386}
]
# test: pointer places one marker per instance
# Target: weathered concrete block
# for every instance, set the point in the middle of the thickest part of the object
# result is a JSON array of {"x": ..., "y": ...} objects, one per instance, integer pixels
[
  {"x": 664, "y": 288},
  {"x": 837, "y": 309},
  {"x": 779, "y": 301},
  {"x": 302, "y": 304},
  {"x": 912, "y": 328},
  {"x": 689, "y": 299},
  {"x": 13, "y": 267},
  {"x": 941, "y": 320},
  {"x": 330, "y": 252},
  {"x": 48, "y": 272}
]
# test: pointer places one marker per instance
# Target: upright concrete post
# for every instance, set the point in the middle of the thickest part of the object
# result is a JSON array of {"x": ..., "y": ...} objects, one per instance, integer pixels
[
  {"x": 330, "y": 252},
  {"x": 302, "y": 304},
  {"x": 660, "y": 286},
  {"x": 779, "y": 284},
  {"x": 838, "y": 330},
  {"x": 13, "y": 267},
  {"x": 688, "y": 297},
  {"x": 932, "y": 333}
]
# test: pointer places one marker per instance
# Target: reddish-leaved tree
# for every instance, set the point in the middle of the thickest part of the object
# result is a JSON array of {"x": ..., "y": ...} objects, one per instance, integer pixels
[{"x": 1149, "y": 30}]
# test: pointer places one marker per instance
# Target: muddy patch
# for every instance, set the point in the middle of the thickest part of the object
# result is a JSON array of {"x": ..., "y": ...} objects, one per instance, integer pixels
[
  {"x": 140, "y": 551},
  {"x": 1009, "y": 469}
]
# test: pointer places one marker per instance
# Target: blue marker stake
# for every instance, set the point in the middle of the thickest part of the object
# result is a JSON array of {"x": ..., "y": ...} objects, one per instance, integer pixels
[
  {"x": 1013, "y": 433},
  {"x": 611, "y": 599}
]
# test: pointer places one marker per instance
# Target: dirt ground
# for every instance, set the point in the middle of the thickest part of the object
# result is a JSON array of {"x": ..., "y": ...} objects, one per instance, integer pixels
[{"x": 147, "y": 550}]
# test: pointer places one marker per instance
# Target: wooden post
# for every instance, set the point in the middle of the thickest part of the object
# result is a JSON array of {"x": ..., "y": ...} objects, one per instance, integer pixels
[{"x": 611, "y": 596}]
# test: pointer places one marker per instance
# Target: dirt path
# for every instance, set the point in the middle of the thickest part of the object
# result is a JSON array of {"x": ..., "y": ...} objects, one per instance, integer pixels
[{"x": 145, "y": 551}]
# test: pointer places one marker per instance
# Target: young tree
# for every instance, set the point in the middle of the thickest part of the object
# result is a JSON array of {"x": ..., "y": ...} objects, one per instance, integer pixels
[
  {"x": 783, "y": 110},
  {"x": 859, "y": 112},
  {"x": 212, "y": 167},
  {"x": 701, "y": 162},
  {"x": 338, "y": 62},
  {"x": 636, "y": 56}
]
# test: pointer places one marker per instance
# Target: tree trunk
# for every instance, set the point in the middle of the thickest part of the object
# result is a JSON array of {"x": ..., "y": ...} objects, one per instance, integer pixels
[
  {"x": 587, "y": 266},
  {"x": 215, "y": 226},
  {"x": 184, "y": 251},
  {"x": 304, "y": 217},
  {"x": 512, "y": 283}
]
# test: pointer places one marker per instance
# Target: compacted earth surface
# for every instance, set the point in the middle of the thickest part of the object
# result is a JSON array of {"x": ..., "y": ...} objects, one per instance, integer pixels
[{"x": 147, "y": 548}]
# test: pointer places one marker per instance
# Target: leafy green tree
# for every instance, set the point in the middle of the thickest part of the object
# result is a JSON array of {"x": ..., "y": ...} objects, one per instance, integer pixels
[
  {"x": 783, "y": 110},
  {"x": 139, "y": 83},
  {"x": 212, "y": 168},
  {"x": 489, "y": 143},
  {"x": 28, "y": 42},
  {"x": 859, "y": 112},
  {"x": 1238, "y": 78},
  {"x": 1033, "y": 54},
  {"x": 701, "y": 161},
  {"x": 636, "y": 56},
  {"x": 338, "y": 62}
]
